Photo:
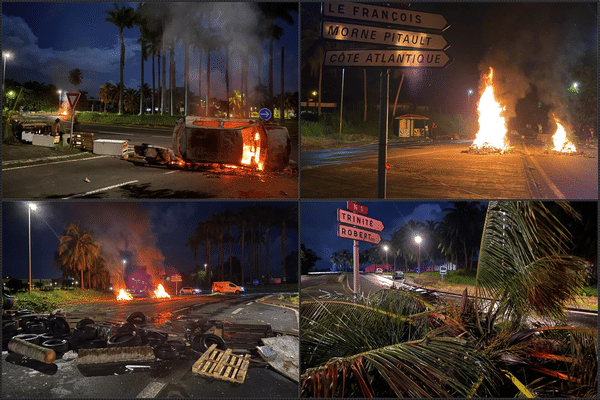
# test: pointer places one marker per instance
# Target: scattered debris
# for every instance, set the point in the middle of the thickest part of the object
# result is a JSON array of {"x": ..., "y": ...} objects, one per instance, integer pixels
[
  {"x": 222, "y": 365},
  {"x": 31, "y": 350},
  {"x": 287, "y": 356},
  {"x": 87, "y": 180},
  {"x": 115, "y": 354}
]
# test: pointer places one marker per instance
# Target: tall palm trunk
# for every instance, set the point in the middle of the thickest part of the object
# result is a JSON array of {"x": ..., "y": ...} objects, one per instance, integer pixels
[
  {"x": 199, "y": 81},
  {"x": 271, "y": 73},
  {"x": 320, "y": 85},
  {"x": 283, "y": 228},
  {"x": 243, "y": 241},
  {"x": 365, "y": 91},
  {"x": 207, "y": 81},
  {"x": 227, "y": 80},
  {"x": 208, "y": 261},
  {"x": 142, "y": 82},
  {"x": 267, "y": 249},
  {"x": 164, "y": 81},
  {"x": 172, "y": 82},
  {"x": 153, "y": 87},
  {"x": 186, "y": 77},
  {"x": 122, "y": 67}
]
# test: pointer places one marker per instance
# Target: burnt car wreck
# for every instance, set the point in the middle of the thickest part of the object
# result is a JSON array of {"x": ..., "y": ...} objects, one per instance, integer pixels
[{"x": 199, "y": 142}]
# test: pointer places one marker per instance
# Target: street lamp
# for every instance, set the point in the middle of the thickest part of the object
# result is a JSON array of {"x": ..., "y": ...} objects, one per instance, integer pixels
[
  {"x": 59, "y": 93},
  {"x": 32, "y": 207},
  {"x": 124, "y": 262},
  {"x": 418, "y": 240},
  {"x": 5, "y": 56},
  {"x": 385, "y": 248},
  {"x": 469, "y": 93}
]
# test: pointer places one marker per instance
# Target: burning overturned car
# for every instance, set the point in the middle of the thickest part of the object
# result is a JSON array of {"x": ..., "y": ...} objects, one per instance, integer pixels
[{"x": 202, "y": 141}]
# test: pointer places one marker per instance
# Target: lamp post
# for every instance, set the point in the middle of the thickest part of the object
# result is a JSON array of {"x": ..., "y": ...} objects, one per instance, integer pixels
[
  {"x": 5, "y": 56},
  {"x": 469, "y": 93},
  {"x": 418, "y": 240},
  {"x": 59, "y": 96},
  {"x": 385, "y": 248},
  {"x": 32, "y": 207},
  {"x": 124, "y": 262}
]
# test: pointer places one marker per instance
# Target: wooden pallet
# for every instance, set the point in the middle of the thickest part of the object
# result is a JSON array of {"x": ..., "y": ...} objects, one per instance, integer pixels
[{"x": 222, "y": 365}]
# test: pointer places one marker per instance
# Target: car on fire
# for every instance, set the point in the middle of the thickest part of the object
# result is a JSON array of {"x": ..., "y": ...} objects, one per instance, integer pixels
[
  {"x": 227, "y": 287},
  {"x": 189, "y": 290}
]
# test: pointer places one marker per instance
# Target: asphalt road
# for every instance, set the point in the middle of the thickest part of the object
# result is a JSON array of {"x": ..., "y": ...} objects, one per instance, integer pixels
[
  {"x": 24, "y": 378},
  {"x": 446, "y": 170}
]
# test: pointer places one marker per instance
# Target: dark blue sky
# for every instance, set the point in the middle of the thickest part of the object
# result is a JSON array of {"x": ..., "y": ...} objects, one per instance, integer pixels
[
  {"x": 150, "y": 230},
  {"x": 48, "y": 39},
  {"x": 319, "y": 222}
]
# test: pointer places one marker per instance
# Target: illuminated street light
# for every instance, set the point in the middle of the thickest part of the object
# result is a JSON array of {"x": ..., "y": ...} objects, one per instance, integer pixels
[
  {"x": 59, "y": 93},
  {"x": 124, "y": 262},
  {"x": 385, "y": 248},
  {"x": 469, "y": 93},
  {"x": 5, "y": 56},
  {"x": 418, "y": 240},
  {"x": 32, "y": 207}
]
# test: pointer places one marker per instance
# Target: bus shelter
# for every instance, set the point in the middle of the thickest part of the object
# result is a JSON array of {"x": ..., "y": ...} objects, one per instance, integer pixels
[{"x": 413, "y": 125}]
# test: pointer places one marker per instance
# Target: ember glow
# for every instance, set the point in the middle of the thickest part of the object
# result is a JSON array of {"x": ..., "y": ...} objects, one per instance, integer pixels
[
  {"x": 492, "y": 125},
  {"x": 251, "y": 151},
  {"x": 160, "y": 293},
  {"x": 123, "y": 295},
  {"x": 560, "y": 141}
]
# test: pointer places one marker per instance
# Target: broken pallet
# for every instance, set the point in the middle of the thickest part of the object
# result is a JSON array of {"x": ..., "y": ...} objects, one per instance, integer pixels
[{"x": 222, "y": 365}]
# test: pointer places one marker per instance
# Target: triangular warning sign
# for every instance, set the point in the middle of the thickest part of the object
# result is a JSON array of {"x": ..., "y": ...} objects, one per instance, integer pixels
[{"x": 72, "y": 98}]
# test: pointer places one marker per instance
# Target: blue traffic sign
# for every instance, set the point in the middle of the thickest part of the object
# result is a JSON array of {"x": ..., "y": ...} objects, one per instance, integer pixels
[
  {"x": 265, "y": 114},
  {"x": 255, "y": 282}
]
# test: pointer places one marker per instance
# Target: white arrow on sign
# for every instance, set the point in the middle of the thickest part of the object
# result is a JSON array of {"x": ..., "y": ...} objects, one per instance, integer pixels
[
  {"x": 386, "y": 58},
  {"x": 346, "y": 217},
  {"x": 376, "y": 35},
  {"x": 385, "y": 15},
  {"x": 349, "y": 232}
]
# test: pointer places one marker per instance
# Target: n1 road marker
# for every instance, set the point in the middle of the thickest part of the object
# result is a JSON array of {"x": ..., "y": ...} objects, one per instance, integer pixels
[{"x": 349, "y": 232}]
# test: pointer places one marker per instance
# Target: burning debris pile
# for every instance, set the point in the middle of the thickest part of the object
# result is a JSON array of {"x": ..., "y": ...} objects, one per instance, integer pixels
[
  {"x": 491, "y": 137},
  {"x": 560, "y": 141},
  {"x": 203, "y": 143}
]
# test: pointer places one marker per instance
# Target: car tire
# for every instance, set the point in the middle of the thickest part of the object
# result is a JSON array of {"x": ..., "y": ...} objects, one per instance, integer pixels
[
  {"x": 162, "y": 337},
  {"x": 86, "y": 332},
  {"x": 165, "y": 352},
  {"x": 84, "y": 322},
  {"x": 59, "y": 326},
  {"x": 208, "y": 340},
  {"x": 28, "y": 337},
  {"x": 127, "y": 327},
  {"x": 9, "y": 327},
  {"x": 137, "y": 318},
  {"x": 177, "y": 344},
  {"x": 35, "y": 327},
  {"x": 151, "y": 341},
  {"x": 58, "y": 345},
  {"x": 94, "y": 344},
  {"x": 125, "y": 339}
]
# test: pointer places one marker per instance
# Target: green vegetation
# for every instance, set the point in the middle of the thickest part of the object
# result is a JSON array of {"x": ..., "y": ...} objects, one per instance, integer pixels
[
  {"x": 39, "y": 301},
  {"x": 152, "y": 121},
  {"x": 591, "y": 291}
]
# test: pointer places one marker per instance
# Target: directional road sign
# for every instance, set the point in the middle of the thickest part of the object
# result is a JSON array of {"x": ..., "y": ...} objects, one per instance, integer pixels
[
  {"x": 385, "y": 15},
  {"x": 346, "y": 217},
  {"x": 359, "y": 208},
  {"x": 386, "y": 58},
  {"x": 348, "y": 232},
  {"x": 265, "y": 114},
  {"x": 377, "y": 35},
  {"x": 443, "y": 270},
  {"x": 72, "y": 98}
]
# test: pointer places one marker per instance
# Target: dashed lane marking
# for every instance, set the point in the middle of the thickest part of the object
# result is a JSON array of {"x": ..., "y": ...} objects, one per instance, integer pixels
[
  {"x": 100, "y": 190},
  {"x": 238, "y": 310},
  {"x": 151, "y": 390}
]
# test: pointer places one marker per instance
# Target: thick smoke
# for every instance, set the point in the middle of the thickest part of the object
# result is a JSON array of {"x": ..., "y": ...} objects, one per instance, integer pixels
[
  {"x": 531, "y": 45},
  {"x": 123, "y": 228}
]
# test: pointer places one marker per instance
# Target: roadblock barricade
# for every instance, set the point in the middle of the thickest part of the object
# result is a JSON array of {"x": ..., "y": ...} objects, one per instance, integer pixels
[{"x": 83, "y": 140}]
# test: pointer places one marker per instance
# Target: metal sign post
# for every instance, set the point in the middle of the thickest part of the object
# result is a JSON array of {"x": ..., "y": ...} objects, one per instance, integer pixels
[
  {"x": 384, "y": 97},
  {"x": 356, "y": 271}
]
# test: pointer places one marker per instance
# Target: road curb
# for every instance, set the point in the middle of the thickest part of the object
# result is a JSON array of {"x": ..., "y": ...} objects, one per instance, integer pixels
[{"x": 32, "y": 160}]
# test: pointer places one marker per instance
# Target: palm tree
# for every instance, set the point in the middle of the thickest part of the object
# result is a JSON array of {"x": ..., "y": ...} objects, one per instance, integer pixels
[
  {"x": 97, "y": 274},
  {"x": 399, "y": 345},
  {"x": 202, "y": 235},
  {"x": 144, "y": 41},
  {"x": 130, "y": 100},
  {"x": 77, "y": 250},
  {"x": 106, "y": 93},
  {"x": 121, "y": 17},
  {"x": 464, "y": 220},
  {"x": 288, "y": 218},
  {"x": 75, "y": 77}
]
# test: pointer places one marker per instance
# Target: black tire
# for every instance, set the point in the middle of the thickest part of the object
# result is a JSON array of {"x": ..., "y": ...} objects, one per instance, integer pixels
[
  {"x": 25, "y": 312},
  {"x": 7, "y": 301},
  {"x": 94, "y": 344},
  {"x": 9, "y": 327},
  {"x": 59, "y": 326},
  {"x": 5, "y": 339},
  {"x": 86, "y": 332},
  {"x": 48, "y": 336},
  {"x": 165, "y": 352},
  {"x": 74, "y": 342},
  {"x": 35, "y": 327},
  {"x": 29, "y": 337},
  {"x": 125, "y": 339},
  {"x": 84, "y": 322},
  {"x": 151, "y": 341},
  {"x": 196, "y": 343},
  {"x": 23, "y": 321},
  {"x": 177, "y": 344},
  {"x": 137, "y": 318},
  {"x": 162, "y": 337},
  {"x": 210, "y": 339},
  {"x": 58, "y": 345},
  {"x": 127, "y": 327}
]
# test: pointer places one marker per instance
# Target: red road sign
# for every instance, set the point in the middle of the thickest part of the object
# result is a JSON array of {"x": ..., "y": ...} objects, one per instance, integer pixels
[
  {"x": 72, "y": 98},
  {"x": 346, "y": 217},
  {"x": 349, "y": 232},
  {"x": 352, "y": 206},
  {"x": 175, "y": 278},
  {"x": 385, "y": 15}
]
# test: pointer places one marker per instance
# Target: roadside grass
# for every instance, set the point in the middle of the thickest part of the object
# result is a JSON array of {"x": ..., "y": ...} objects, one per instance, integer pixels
[
  {"x": 292, "y": 299},
  {"x": 147, "y": 120},
  {"x": 41, "y": 301}
]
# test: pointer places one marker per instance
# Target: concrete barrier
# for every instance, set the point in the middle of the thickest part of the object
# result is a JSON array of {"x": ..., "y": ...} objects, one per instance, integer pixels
[
  {"x": 44, "y": 140},
  {"x": 110, "y": 147}
]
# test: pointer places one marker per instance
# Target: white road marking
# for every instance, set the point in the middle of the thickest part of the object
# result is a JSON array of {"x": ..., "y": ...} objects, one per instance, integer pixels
[
  {"x": 183, "y": 309},
  {"x": 49, "y": 163},
  {"x": 100, "y": 190},
  {"x": 238, "y": 310},
  {"x": 170, "y": 172},
  {"x": 249, "y": 303},
  {"x": 117, "y": 133},
  {"x": 546, "y": 178},
  {"x": 151, "y": 390}
]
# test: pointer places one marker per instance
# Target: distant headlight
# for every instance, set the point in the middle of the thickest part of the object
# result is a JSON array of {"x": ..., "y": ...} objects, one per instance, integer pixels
[{"x": 242, "y": 288}]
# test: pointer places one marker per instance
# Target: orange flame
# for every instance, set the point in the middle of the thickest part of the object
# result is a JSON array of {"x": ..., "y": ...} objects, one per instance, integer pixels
[
  {"x": 251, "y": 150},
  {"x": 123, "y": 295},
  {"x": 561, "y": 143},
  {"x": 160, "y": 293},
  {"x": 492, "y": 125}
]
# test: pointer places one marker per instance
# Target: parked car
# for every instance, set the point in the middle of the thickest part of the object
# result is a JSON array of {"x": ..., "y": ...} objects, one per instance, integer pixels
[
  {"x": 189, "y": 290},
  {"x": 227, "y": 287},
  {"x": 379, "y": 271},
  {"x": 398, "y": 275}
]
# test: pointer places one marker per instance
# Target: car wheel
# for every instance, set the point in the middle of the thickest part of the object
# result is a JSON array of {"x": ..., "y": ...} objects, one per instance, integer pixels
[
  {"x": 137, "y": 317},
  {"x": 125, "y": 339},
  {"x": 35, "y": 327},
  {"x": 84, "y": 322},
  {"x": 59, "y": 326},
  {"x": 162, "y": 337},
  {"x": 58, "y": 345},
  {"x": 165, "y": 352},
  {"x": 210, "y": 339},
  {"x": 85, "y": 332},
  {"x": 28, "y": 337},
  {"x": 127, "y": 327},
  {"x": 94, "y": 344},
  {"x": 177, "y": 344},
  {"x": 151, "y": 341}
]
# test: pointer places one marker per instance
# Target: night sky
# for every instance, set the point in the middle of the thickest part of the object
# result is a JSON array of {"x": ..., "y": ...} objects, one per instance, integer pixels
[
  {"x": 531, "y": 46},
  {"x": 154, "y": 232},
  {"x": 48, "y": 39},
  {"x": 319, "y": 223}
]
